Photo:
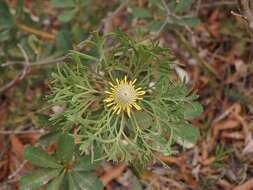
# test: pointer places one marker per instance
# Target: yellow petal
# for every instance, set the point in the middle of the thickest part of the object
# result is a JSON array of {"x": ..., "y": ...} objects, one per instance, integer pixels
[
  {"x": 128, "y": 111},
  {"x": 137, "y": 106}
]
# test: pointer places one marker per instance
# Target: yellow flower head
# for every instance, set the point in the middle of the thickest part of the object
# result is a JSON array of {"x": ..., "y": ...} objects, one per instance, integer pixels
[{"x": 123, "y": 96}]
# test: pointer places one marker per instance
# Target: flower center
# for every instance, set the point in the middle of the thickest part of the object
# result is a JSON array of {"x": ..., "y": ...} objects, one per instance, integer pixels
[{"x": 125, "y": 94}]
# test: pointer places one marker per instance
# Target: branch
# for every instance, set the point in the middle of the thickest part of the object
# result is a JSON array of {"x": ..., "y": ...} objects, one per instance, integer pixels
[
  {"x": 26, "y": 65},
  {"x": 21, "y": 75},
  {"x": 44, "y": 35}
]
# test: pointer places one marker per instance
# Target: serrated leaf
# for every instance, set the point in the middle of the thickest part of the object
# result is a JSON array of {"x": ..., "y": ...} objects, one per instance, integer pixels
[
  {"x": 140, "y": 12},
  {"x": 87, "y": 181},
  {"x": 72, "y": 184},
  {"x": 37, "y": 178},
  {"x": 38, "y": 157},
  {"x": 67, "y": 15},
  {"x": 85, "y": 164},
  {"x": 49, "y": 138},
  {"x": 63, "y": 3},
  {"x": 185, "y": 134},
  {"x": 65, "y": 148},
  {"x": 56, "y": 183},
  {"x": 192, "y": 110}
]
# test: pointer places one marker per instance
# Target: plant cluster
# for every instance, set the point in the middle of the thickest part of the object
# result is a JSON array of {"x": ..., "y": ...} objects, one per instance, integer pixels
[
  {"x": 64, "y": 169},
  {"x": 122, "y": 100},
  {"x": 119, "y": 103}
]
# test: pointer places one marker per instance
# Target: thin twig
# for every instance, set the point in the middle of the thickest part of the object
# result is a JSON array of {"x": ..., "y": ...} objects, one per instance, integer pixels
[
  {"x": 21, "y": 132},
  {"x": 37, "y": 63},
  {"x": 21, "y": 75},
  {"x": 16, "y": 172},
  {"x": 218, "y": 4},
  {"x": 44, "y": 35},
  {"x": 26, "y": 65}
]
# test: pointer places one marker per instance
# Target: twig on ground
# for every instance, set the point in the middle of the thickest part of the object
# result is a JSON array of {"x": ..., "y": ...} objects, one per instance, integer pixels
[
  {"x": 21, "y": 75},
  {"x": 44, "y": 35},
  {"x": 37, "y": 63},
  {"x": 16, "y": 172},
  {"x": 218, "y": 4},
  {"x": 26, "y": 65},
  {"x": 21, "y": 132}
]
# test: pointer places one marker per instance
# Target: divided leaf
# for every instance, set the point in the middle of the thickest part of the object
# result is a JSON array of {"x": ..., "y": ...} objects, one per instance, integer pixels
[
  {"x": 88, "y": 182},
  {"x": 65, "y": 148},
  {"x": 85, "y": 164},
  {"x": 72, "y": 184},
  {"x": 49, "y": 138},
  {"x": 185, "y": 134},
  {"x": 192, "y": 110},
  {"x": 56, "y": 182},
  {"x": 67, "y": 15},
  {"x": 38, "y": 157},
  {"x": 37, "y": 178}
]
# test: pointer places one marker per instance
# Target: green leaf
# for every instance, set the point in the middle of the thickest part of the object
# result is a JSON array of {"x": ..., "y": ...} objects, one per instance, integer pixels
[
  {"x": 155, "y": 25},
  {"x": 87, "y": 181},
  {"x": 180, "y": 6},
  {"x": 79, "y": 34},
  {"x": 56, "y": 182},
  {"x": 37, "y": 178},
  {"x": 67, "y": 15},
  {"x": 63, "y": 41},
  {"x": 143, "y": 119},
  {"x": 140, "y": 12},
  {"x": 63, "y": 3},
  {"x": 4, "y": 35},
  {"x": 72, "y": 184},
  {"x": 6, "y": 19},
  {"x": 85, "y": 164},
  {"x": 38, "y": 157},
  {"x": 185, "y": 134},
  {"x": 192, "y": 110},
  {"x": 83, "y": 56},
  {"x": 65, "y": 148},
  {"x": 49, "y": 138},
  {"x": 154, "y": 2},
  {"x": 19, "y": 10}
]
